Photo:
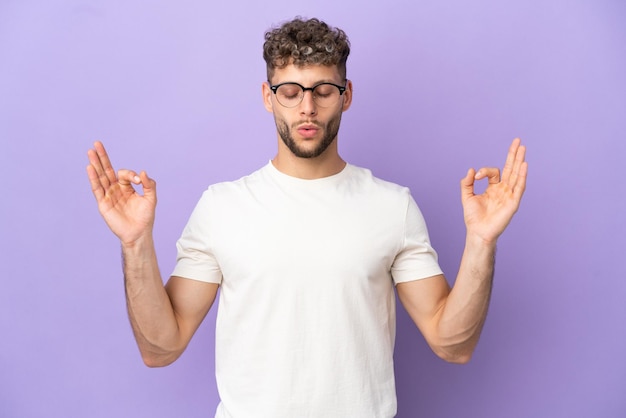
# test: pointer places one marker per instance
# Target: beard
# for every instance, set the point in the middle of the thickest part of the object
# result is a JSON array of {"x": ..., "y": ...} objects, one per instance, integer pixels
[{"x": 330, "y": 134}]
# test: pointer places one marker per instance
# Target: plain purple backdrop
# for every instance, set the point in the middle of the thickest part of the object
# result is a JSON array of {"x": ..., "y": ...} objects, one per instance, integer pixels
[{"x": 175, "y": 88}]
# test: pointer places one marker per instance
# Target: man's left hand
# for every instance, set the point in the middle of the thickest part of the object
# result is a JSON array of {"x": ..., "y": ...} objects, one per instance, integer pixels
[{"x": 488, "y": 214}]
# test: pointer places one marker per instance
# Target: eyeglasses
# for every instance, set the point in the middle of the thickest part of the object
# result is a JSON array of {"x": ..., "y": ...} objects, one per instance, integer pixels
[{"x": 291, "y": 94}]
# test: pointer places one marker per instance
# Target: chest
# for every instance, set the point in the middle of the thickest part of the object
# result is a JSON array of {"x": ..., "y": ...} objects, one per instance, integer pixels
[{"x": 330, "y": 240}]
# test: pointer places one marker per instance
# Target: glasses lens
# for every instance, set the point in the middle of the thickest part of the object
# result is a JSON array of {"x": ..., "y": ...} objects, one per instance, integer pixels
[
  {"x": 326, "y": 95},
  {"x": 289, "y": 95}
]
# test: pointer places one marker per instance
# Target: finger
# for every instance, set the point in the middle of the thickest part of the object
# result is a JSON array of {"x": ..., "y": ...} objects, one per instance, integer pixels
[
  {"x": 98, "y": 169},
  {"x": 99, "y": 166},
  {"x": 520, "y": 156},
  {"x": 511, "y": 158},
  {"x": 520, "y": 182},
  {"x": 127, "y": 177},
  {"x": 105, "y": 163},
  {"x": 94, "y": 181},
  {"x": 492, "y": 174},
  {"x": 467, "y": 185}
]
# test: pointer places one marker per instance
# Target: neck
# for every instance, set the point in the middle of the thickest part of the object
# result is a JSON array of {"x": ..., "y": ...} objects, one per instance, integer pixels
[{"x": 327, "y": 164}]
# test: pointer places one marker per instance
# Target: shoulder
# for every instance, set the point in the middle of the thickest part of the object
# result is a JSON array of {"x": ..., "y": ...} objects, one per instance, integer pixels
[
  {"x": 364, "y": 178},
  {"x": 227, "y": 188}
]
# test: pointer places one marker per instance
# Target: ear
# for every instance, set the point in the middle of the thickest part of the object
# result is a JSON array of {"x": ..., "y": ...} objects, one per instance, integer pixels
[
  {"x": 267, "y": 97},
  {"x": 347, "y": 96}
]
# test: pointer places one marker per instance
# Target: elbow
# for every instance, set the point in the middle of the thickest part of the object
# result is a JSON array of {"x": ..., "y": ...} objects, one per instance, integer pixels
[
  {"x": 456, "y": 358},
  {"x": 155, "y": 360},
  {"x": 455, "y": 353},
  {"x": 159, "y": 354},
  {"x": 455, "y": 348}
]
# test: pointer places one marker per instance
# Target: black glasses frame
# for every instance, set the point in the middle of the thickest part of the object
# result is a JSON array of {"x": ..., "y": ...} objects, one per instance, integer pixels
[{"x": 341, "y": 89}]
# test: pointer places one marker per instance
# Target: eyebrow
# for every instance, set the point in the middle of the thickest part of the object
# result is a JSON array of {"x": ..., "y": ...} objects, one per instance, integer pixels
[{"x": 314, "y": 84}]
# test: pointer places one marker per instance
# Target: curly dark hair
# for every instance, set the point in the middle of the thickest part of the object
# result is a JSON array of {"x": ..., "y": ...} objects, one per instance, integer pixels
[{"x": 305, "y": 42}]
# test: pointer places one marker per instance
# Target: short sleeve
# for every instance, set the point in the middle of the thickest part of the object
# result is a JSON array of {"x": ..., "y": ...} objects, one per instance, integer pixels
[
  {"x": 195, "y": 259},
  {"x": 416, "y": 259}
]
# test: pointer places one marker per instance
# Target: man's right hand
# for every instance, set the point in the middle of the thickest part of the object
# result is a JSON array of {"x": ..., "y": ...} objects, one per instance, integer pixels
[{"x": 127, "y": 213}]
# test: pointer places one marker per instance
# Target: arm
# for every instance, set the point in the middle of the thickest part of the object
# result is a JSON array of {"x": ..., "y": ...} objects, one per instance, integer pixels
[
  {"x": 163, "y": 318},
  {"x": 452, "y": 319}
]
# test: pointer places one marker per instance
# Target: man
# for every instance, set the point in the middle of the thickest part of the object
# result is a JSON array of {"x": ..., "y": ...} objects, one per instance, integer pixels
[{"x": 307, "y": 251}]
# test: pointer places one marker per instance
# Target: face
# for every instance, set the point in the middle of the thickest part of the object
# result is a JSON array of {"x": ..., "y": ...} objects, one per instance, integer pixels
[{"x": 307, "y": 130}]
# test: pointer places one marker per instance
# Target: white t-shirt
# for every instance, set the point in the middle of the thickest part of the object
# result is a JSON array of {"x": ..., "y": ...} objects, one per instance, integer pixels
[{"x": 306, "y": 317}]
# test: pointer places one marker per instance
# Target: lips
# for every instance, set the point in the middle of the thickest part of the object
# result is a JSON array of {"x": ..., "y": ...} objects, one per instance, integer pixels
[{"x": 307, "y": 130}]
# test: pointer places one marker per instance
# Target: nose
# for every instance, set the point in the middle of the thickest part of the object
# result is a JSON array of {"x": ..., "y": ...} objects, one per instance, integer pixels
[{"x": 308, "y": 106}]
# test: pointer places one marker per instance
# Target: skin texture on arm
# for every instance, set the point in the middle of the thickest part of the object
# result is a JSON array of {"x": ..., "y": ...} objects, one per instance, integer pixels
[
  {"x": 163, "y": 318},
  {"x": 451, "y": 320}
]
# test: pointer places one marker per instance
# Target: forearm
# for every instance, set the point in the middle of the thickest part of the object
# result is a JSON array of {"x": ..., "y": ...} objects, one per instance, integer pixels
[
  {"x": 149, "y": 308},
  {"x": 465, "y": 310}
]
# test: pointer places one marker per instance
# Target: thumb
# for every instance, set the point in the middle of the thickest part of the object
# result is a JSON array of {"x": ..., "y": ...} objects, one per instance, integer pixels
[
  {"x": 467, "y": 185},
  {"x": 148, "y": 185}
]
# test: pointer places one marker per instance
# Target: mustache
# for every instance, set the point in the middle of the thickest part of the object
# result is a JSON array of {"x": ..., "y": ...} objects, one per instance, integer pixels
[{"x": 307, "y": 122}]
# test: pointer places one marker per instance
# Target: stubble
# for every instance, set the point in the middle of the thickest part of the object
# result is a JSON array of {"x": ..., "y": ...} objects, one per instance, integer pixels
[{"x": 331, "y": 129}]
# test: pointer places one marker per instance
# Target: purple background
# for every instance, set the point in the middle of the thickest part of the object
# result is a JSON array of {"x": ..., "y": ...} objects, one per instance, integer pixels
[{"x": 174, "y": 88}]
